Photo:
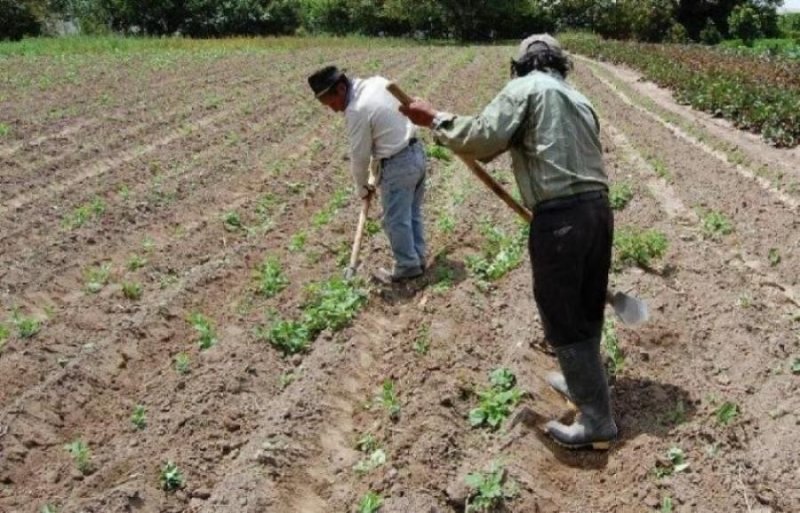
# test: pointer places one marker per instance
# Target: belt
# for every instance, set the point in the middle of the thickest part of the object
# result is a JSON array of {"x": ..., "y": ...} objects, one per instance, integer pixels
[
  {"x": 411, "y": 142},
  {"x": 570, "y": 201}
]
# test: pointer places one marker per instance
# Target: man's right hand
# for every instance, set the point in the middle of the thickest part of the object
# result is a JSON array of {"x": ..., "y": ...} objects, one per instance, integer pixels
[
  {"x": 366, "y": 191},
  {"x": 420, "y": 112}
]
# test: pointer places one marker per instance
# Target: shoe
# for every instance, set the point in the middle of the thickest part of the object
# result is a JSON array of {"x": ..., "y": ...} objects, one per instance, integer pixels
[
  {"x": 585, "y": 381},
  {"x": 558, "y": 383},
  {"x": 386, "y": 277}
]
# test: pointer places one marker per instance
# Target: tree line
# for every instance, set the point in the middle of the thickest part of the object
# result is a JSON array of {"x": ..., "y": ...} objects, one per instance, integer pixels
[{"x": 465, "y": 20}]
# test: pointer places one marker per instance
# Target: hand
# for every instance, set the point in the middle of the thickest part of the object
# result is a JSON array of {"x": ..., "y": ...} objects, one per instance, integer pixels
[
  {"x": 366, "y": 191},
  {"x": 420, "y": 112}
]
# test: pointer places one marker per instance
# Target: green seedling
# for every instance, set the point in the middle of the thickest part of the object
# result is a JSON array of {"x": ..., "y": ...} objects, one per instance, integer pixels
[
  {"x": 502, "y": 253},
  {"x": 171, "y": 477},
  {"x": 81, "y": 455},
  {"x": 3, "y": 335},
  {"x": 232, "y": 222},
  {"x": 367, "y": 443},
  {"x": 638, "y": 247},
  {"x": 726, "y": 412},
  {"x": 422, "y": 343},
  {"x": 84, "y": 213},
  {"x": 619, "y": 195},
  {"x": 488, "y": 490},
  {"x": 774, "y": 257},
  {"x": 438, "y": 152},
  {"x": 136, "y": 262},
  {"x": 201, "y": 324},
  {"x": 49, "y": 508},
  {"x": 796, "y": 366},
  {"x": 132, "y": 290},
  {"x": 139, "y": 417},
  {"x": 288, "y": 336},
  {"x": 495, "y": 403},
  {"x": 616, "y": 358},
  {"x": 389, "y": 400},
  {"x": 286, "y": 379},
  {"x": 270, "y": 277},
  {"x": 4, "y": 130},
  {"x": 27, "y": 327},
  {"x": 182, "y": 363},
  {"x": 298, "y": 242},
  {"x": 716, "y": 225},
  {"x": 675, "y": 463},
  {"x": 376, "y": 458},
  {"x": 97, "y": 278},
  {"x": 446, "y": 224},
  {"x": 666, "y": 505},
  {"x": 372, "y": 227},
  {"x": 124, "y": 192},
  {"x": 370, "y": 503},
  {"x": 332, "y": 304}
]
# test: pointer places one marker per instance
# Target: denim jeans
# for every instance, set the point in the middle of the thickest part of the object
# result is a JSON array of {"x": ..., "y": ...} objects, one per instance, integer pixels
[{"x": 402, "y": 191}]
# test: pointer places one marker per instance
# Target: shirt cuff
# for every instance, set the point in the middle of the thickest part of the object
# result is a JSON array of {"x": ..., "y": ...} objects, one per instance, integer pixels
[{"x": 440, "y": 118}]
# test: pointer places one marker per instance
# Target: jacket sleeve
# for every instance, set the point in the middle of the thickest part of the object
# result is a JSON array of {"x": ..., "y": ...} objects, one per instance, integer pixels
[{"x": 359, "y": 134}]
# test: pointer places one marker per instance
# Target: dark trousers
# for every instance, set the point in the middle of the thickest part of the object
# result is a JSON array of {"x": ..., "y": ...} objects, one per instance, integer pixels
[{"x": 570, "y": 248}]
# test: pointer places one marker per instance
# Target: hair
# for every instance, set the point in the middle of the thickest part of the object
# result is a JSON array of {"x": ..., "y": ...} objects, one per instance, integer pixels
[{"x": 541, "y": 60}]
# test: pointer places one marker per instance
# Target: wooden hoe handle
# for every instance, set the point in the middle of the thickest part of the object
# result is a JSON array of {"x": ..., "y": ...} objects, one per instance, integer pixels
[{"x": 473, "y": 166}]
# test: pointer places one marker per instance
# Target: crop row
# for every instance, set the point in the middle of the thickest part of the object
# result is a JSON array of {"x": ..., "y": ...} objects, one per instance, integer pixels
[{"x": 759, "y": 95}]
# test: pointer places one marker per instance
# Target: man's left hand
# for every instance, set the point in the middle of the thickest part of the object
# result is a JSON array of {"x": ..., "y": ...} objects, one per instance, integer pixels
[{"x": 420, "y": 112}]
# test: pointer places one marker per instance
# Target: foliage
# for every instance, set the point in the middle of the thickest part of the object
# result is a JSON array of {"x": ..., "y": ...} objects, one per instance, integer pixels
[
  {"x": 716, "y": 225},
  {"x": 370, "y": 503},
  {"x": 744, "y": 23},
  {"x": 375, "y": 459},
  {"x": 619, "y": 195},
  {"x": 673, "y": 464},
  {"x": 389, "y": 399},
  {"x": 27, "y": 327},
  {"x": 17, "y": 20},
  {"x": 171, "y": 477},
  {"x": 638, "y": 247},
  {"x": 201, "y": 324},
  {"x": 496, "y": 402},
  {"x": 182, "y": 363},
  {"x": 139, "y": 417},
  {"x": 501, "y": 253},
  {"x": 3, "y": 335},
  {"x": 289, "y": 336},
  {"x": 726, "y": 412},
  {"x": 271, "y": 279},
  {"x": 88, "y": 211},
  {"x": 488, "y": 489},
  {"x": 81, "y": 455},
  {"x": 710, "y": 34},
  {"x": 132, "y": 290},
  {"x": 97, "y": 277}
]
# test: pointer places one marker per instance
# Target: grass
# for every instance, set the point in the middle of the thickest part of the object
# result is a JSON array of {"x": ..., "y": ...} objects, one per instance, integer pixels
[
  {"x": 132, "y": 290},
  {"x": 774, "y": 257},
  {"x": 135, "y": 262},
  {"x": 139, "y": 417},
  {"x": 171, "y": 477},
  {"x": 3, "y": 335},
  {"x": 182, "y": 363},
  {"x": 634, "y": 246},
  {"x": 84, "y": 213},
  {"x": 438, "y": 152},
  {"x": 716, "y": 225},
  {"x": 370, "y": 503},
  {"x": 388, "y": 399},
  {"x": 501, "y": 253},
  {"x": 619, "y": 195},
  {"x": 422, "y": 343},
  {"x": 446, "y": 224},
  {"x": 489, "y": 489},
  {"x": 298, "y": 241},
  {"x": 497, "y": 401},
  {"x": 81, "y": 455},
  {"x": 616, "y": 358},
  {"x": 204, "y": 328},
  {"x": 27, "y": 327},
  {"x": 726, "y": 412},
  {"x": 97, "y": 277},
  {"x": 270, "y": 278}
]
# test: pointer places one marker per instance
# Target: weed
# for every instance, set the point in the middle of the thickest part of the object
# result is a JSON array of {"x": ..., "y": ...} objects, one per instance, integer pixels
[
  {"x": 298, "y": 241},
  {"x": 124, "y": 192},
  {"x": 132, "y": 290},
  {"x": 446, "y": 224},
  {"x": 4, "y": 130},
  {"x": 97, "y": 278},
  {"x": 370, "y": 503},
  {"x": 286, "y": 335},
  {"x": 372, "y": 227},
  {"x": 81, "y": 455},
  {"x": 488, "y": 489},
  {"x": 139, "y": 417},
  {"x": 27, "y": 327},
  {"x": 666, "y": 505},
  {"x": 271, "y": 279},
  {"x": 182, "y": 363},
  {"x": 422, "y": 343},
  {"x": 716, "y": 225},
  {"x": 49, "y": 508},
  {"x": 208, "y": 337},
  {"x": 638, "y": 247},
  {"x": 171, "y": 477},
  {"x": 496, "y": 402},
  {"x": 84, "y": 213},
  {"x": 287, "y": 378},
  {"x": 438, "y": 152},
  {"x": 660, "y": 168},
  {"x": 795, "y": 365},
  {"x": 136, "y": 262},
  {"x": 616, "y": 358},
  {"x": 501, "y": 254},
  {"x": 774, "y": 257},
  {"x": 375, "y": 459},
  {"x": 232, "y": 221},
  {"x": 389, "y": 399},
  {"x": 367, "y": 443},
  {"x": 619, "y": 195},
  {"x": 3, "y": 335},
  {"x": 726, "y": 412},
  {"x": 745, "y": 300},
  {"x": 675, "y": 463}
]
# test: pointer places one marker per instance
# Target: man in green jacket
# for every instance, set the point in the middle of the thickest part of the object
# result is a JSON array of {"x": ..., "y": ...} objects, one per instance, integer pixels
[{"x": 552, "y": 133}]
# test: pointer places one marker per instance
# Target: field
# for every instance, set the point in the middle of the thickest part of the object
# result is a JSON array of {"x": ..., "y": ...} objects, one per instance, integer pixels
[{"x": 174, "y": 336}]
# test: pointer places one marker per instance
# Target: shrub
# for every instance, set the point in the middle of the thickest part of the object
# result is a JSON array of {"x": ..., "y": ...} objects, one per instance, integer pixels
[{"x": 17, "y": 20}]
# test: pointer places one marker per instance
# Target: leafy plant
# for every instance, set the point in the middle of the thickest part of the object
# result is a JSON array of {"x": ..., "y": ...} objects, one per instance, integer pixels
[
  {"x": 27, "y": 327},
  {"x": 136, "y": 262},
  {"x": 501, "y": 253},
  {"x": 232, "y": 221},
  {"x": 201, "y": 324},
  {"x": 97, "y": 277},
  {"x": 182, "y": 363},
  {"x": 716, "y": 225},
  {"x": 81, "y": 455},
  {"x": 389, "y": 400},
  {"x": 496, "y": 402},
  {"x": 666, "y": 505},
  {"x": 674, "y": 463},
  {"x": 370, "y": 503},
  {"x": 132, "y": 290},
  {"x": 422, "y": 342},
  {"x": 446, "y": 224},
  {"x": 774, "y": 257},
  {"x": 332, "y": 304},
  {"x": 638, "y": 247},
  {"x": 171, "y": 477},
  {"x": 286, "y": 335},
  {"x": 616, "y": 358},
  {"x": 84, "y": 213},
  {"x": 374, "y": 460},
  {"x": 287, "y": 378},
  {"x": 49, "y": 508},
  {"x": 3, "y": 335},
  {"x": 619, "y": 195},
  {"x": 139, "y": 417},
  {"x": 726, "y": 412},
  {"x": 367, "y": 443},
  {"x": 271, "y": 279},
  {"x": 372, "y": 227},
  {"x": 4, "y": 129},
  {"x": 438, "y": 152},
  {"x": 488, "y": 489},
  {"x": 298, "y": 241}
]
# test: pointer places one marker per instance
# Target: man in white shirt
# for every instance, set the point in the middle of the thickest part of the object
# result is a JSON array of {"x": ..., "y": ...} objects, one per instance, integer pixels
[{"x": 376, "y": 129}]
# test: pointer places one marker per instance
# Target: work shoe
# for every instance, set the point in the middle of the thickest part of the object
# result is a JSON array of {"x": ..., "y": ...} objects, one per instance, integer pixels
[
  {"x": 387, "y": 277},
  {"x": 586, "y": 383}
]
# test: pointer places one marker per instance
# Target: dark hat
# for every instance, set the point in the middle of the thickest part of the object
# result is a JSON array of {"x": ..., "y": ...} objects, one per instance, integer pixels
[
  {"x": 536, "y": 43},
  {"x": 323, "y": 79}
]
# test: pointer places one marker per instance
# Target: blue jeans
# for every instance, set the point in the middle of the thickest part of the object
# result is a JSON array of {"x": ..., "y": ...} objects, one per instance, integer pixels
[{"x": 402, "y": 192}]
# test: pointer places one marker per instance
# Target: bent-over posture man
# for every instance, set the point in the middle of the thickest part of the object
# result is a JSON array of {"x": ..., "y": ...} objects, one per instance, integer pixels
[
  {"x": 552, "y": 133},
  {"x": 376, "y": 129}
]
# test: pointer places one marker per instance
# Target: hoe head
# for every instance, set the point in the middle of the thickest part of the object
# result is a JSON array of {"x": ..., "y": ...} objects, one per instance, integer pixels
[{"x": 629, "y": 309}]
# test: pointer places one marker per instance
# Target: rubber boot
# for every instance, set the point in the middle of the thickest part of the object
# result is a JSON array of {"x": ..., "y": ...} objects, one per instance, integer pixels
[
  {"x": 558, "y": 383},
  {"x": 586, "y": 381}
]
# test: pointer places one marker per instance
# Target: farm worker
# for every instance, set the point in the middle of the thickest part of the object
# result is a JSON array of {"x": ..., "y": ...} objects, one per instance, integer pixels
[
  {"x": 552, "y": 133},
  {"x": 377, "y": 130}
]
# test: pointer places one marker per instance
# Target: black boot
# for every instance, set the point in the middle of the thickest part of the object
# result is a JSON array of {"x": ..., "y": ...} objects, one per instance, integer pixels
[
  {"x": 558, "y": 382},
  {"x": 588, "y": 389}
]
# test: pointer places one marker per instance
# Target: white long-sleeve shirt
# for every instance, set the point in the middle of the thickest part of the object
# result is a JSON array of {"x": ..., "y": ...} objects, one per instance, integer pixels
[{"x": 375, "y": 126}]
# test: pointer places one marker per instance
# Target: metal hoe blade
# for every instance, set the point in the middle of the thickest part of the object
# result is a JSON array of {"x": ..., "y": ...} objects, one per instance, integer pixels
[{"x": 629, "y": 309}]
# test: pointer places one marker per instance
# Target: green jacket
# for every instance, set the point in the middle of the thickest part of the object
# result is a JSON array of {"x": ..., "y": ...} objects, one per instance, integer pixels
[{"x": 550, "y": 129}]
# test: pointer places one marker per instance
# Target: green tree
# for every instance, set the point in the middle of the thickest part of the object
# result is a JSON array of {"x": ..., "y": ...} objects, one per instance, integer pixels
[
  {"x": 710, "y": 34},
  {"x": 745, "y": 23},
  {"x": 18, "y": 19}
]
